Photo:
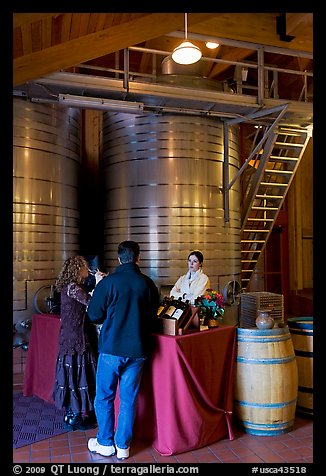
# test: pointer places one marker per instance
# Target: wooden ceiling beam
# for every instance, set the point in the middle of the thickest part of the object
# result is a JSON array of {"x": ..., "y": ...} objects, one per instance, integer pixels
[
  {"x": 296, "y": 21},
  {"x": 258, "y": 28},
  {"x": 100, "y": 43}
]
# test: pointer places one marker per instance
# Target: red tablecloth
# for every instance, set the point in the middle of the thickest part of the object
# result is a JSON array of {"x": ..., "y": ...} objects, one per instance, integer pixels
[
  {"x": 41, "y": 356},
  {"x": 186, "y": 396}
]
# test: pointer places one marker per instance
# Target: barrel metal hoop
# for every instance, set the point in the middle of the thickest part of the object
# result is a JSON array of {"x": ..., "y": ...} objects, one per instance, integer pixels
[
  {"x": 245, "y": 403},
  {"x": 283, "y": 360}
]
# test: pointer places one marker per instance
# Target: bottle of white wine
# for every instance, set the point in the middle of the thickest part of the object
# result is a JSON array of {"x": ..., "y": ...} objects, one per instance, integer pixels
[
  {"x": 180, "y": 309},
  {"x": 186, "y": 312},
  {"x": 164, "y": 304},
  {"x": 173, "y": 304}
]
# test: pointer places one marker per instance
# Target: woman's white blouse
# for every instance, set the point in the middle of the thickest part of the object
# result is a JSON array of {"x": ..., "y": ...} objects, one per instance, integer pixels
[{"x": 191, "y": 286}]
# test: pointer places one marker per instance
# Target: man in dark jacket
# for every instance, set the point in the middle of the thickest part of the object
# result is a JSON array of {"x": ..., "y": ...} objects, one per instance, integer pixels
[{"x": 125, "y": 302}]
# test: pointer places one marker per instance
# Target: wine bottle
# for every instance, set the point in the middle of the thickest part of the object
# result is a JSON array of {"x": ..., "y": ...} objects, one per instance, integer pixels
[
  {"x": 173, "y": 304},
  {"x": 178, "y": 309},
  {"x": 165, "y": 303},
  {"x": 181, "y": 310}
]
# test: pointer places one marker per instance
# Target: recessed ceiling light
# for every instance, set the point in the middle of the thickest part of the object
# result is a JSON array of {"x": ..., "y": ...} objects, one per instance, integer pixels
[{"x": 212, "y": 45}]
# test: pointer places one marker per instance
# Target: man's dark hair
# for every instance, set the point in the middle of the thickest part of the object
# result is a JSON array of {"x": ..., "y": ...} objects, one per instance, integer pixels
[{"x": 128, "y": 251}]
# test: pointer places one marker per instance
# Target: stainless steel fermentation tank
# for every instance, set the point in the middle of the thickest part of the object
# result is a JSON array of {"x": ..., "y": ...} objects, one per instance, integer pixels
[
  {"x": 163, "y": 181},
  {"x": 46, "y": 164}
]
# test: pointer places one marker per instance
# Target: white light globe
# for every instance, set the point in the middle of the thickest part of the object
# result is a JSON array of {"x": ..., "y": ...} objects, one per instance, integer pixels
[
  {"x": 212, "y": 45},
  {"x": 186, "y": 53}
]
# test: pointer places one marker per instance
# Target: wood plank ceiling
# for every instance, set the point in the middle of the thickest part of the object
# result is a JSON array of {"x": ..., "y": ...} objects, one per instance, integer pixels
[{"x": 44, "y": 43}]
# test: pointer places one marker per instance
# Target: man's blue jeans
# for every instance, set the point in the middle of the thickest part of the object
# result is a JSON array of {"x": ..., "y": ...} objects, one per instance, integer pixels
[{"x": 111, "y": 370}]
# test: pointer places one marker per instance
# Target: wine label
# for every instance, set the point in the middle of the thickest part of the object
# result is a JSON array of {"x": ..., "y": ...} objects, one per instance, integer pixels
[
  {"x": 160, "y": 309},
  {"x": 177, "y": 314},
  {"x": 170, "y": 310}
]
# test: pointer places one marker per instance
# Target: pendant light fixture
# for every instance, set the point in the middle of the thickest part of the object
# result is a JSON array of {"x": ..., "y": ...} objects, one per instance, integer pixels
[{"x": 186, "y": 53}]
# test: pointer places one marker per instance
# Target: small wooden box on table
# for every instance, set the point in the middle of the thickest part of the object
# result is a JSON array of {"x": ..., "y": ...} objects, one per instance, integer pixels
[{"x": 174, "y": 327}]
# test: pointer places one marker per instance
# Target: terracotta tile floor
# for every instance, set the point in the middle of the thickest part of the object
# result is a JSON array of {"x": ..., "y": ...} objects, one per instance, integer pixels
[{"x": 293, "y": 447}]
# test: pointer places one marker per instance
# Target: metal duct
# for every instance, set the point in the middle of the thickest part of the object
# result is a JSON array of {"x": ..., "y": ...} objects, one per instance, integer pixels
[
  {"x": 163, "y": 182},
  {"x": 46, "y": 163},
  {"x": 189, "y": 75},
  {"x": 168, "y": 66}
]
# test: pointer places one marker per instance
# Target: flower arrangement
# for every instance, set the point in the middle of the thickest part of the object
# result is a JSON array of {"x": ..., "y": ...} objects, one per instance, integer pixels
[{"x": 211, "y": 305}]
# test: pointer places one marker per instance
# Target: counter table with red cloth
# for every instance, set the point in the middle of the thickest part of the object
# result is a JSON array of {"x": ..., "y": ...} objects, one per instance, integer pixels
[{"x": 186, "y": 396}]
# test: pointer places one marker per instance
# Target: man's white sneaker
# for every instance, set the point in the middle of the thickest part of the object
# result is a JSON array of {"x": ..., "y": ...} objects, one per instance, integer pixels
[
  {"x": 122, "y": 453},
  {"x": 95, "y": 447}
]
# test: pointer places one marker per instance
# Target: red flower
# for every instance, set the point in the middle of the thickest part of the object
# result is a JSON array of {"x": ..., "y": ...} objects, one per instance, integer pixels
[{"x": 211, "y": 301}]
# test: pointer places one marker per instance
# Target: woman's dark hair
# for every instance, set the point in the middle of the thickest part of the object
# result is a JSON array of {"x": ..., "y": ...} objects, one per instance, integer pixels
[
  {"x": 128, "y": 251},
  {"x": 198, "y": 254}
]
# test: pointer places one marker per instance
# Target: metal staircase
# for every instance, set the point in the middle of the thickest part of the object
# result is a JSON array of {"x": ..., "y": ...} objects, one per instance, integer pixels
[{"x": 268, "y": 179}]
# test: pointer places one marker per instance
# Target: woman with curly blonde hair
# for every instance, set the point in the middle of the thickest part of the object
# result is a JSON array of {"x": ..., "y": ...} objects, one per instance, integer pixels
[{"x": 75, "y": 374}]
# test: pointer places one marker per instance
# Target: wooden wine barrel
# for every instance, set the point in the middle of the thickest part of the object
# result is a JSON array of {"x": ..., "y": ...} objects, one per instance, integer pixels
[
  {"x": 266, "y": 381},
  {"x": 302, "y": 332}
]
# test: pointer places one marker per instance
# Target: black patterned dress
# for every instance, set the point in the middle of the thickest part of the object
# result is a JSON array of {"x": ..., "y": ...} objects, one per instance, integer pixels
[{"x": 75, "y": 374}]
